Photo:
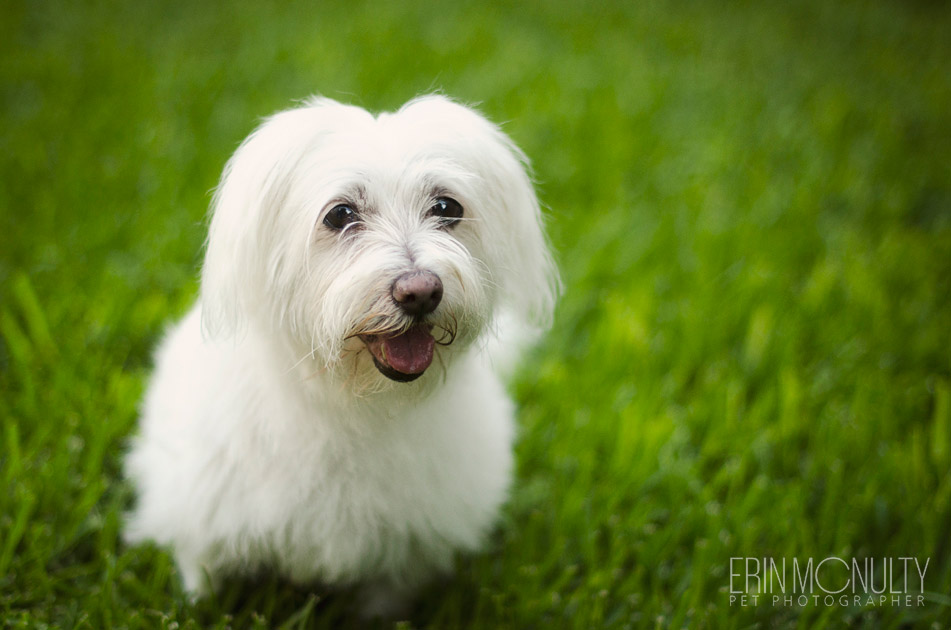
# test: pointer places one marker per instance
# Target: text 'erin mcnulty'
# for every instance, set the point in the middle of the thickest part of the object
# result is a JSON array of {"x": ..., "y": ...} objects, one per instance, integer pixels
[{"x": 829, "y": 581}]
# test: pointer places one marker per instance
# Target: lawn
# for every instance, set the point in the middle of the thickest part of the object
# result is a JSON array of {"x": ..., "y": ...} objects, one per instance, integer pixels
[{"x": 750, "y": 204}]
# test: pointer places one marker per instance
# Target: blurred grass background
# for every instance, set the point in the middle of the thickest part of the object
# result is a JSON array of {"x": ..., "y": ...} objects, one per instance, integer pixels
[{"x": 751, "y": 206}]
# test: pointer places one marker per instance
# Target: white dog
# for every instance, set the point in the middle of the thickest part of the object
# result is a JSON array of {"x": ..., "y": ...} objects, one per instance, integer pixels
[{"x": 331, "y": 409}]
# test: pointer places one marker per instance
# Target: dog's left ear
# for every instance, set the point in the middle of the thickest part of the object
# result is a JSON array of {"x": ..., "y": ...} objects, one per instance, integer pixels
[
  {"x": 531, "y": 282},
  {"x": 512, "y": 221}
]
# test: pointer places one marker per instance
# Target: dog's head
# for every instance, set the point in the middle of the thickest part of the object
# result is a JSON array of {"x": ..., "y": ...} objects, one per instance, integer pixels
[{"x": 377, "y": 245}]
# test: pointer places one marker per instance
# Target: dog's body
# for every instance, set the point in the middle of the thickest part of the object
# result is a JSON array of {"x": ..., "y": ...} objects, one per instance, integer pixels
[
  {"x": 377, "y": 491},
  {"x": 329, "y": 409}
]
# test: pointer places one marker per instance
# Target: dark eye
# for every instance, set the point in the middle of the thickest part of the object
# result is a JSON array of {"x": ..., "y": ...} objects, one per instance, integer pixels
[
  {"x": 340, "y": 217},
  {"x": 448, "y": 210}
]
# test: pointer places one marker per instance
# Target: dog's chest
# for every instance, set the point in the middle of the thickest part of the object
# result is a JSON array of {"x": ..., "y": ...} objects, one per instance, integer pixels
[{"x": 414, "y": 490}]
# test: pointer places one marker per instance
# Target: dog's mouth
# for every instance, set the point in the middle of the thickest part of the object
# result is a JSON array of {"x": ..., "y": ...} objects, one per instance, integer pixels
[{"x": 403, "y": 357}]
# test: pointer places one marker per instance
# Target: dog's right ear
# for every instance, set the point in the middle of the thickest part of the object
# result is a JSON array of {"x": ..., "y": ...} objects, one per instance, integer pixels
[
  {"x": 245, "y": 251},
  {"x": 252, "y": 187}
]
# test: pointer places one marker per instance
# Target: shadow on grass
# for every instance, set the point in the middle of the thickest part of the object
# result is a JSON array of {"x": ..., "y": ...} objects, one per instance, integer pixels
[{"x": 268, "y": 601}]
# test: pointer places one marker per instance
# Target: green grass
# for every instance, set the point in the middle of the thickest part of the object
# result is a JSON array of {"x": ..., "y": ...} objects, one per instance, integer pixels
[{"x": 751, "y": 206}]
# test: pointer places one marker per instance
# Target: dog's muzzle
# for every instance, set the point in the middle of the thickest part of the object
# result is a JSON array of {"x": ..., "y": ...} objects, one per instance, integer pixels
[{"x": 404, "y": 357}]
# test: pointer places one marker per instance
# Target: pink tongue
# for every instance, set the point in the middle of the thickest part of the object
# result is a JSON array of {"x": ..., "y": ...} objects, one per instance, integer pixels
[{"x": 411, "y": 352}]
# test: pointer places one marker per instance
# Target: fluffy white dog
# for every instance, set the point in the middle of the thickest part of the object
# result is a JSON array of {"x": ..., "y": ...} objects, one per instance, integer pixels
[{"x": 331, "y": 408}]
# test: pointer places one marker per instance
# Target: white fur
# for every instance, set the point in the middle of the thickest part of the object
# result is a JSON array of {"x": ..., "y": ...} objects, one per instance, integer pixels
[{"x": 268, "y": 439}]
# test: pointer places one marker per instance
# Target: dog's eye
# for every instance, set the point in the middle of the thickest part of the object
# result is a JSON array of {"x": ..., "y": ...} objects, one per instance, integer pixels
[
  {"x": 340, "y": 217},
  {"x": 448, "y": 210}
]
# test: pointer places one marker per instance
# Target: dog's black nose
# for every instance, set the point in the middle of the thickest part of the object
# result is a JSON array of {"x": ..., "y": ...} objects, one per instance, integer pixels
[{"x": 417, "y": 292}]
